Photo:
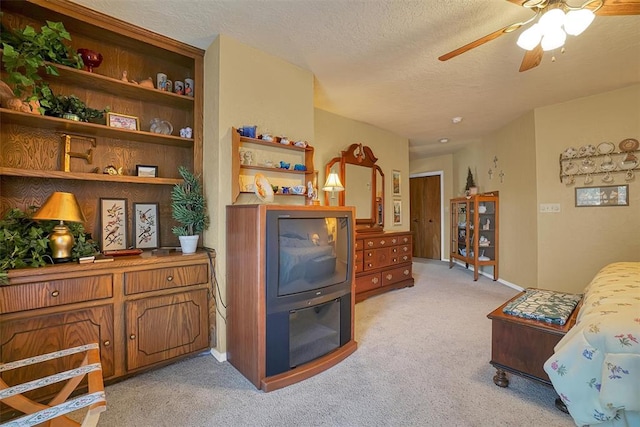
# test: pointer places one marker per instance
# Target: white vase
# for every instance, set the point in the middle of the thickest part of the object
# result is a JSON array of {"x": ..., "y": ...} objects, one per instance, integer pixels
[{"x": 189, "y": 244}]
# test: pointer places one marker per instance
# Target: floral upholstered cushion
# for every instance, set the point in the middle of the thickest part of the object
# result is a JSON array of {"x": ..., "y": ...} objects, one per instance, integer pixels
[{"x": 546, "y": 306}]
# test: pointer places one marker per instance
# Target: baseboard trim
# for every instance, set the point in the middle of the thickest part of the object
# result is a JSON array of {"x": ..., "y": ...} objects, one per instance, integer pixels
[
  {"x": 490, "y": 276},
  {"x": 220, "y": 357}
]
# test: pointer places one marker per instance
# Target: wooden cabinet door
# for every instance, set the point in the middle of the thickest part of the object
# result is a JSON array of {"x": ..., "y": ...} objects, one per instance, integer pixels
[
  {"x": 36, "y": 335},
  {"x": 163, "y": 327}
]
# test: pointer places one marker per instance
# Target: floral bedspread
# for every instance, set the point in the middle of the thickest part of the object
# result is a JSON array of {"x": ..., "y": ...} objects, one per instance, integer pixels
[{"x": 596, "y": 366}]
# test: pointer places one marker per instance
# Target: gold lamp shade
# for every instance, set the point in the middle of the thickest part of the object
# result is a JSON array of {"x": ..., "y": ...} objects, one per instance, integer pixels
[
  {"x": 333, "y": 183},
  {"x": 61, "y": 207}
]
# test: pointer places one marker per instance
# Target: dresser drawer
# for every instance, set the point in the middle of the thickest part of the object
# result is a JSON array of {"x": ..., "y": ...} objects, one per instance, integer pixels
[
  {"x": 377, "y": 258},
  {"x": 54, "y": 292},
  {"x": 359, "y": 245},
  {"x": 165, "y": 278},
  {"x": 368, "y": 282},
  {"x": 396, "y": 275},
  {"x": 378, "y": 242},
  {"x": 359, "y": 261}
]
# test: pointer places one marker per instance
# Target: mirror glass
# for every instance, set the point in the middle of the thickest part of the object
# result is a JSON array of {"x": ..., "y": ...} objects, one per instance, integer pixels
[
  {"x": 363, "y": 181},
  {"x": 358, "y": 190}
]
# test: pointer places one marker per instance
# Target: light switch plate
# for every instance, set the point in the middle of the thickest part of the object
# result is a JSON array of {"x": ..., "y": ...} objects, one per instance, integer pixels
[{"x": 549, "y": 207}]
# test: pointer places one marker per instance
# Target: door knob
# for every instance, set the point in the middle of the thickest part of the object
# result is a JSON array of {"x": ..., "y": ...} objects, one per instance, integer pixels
[{"x": 430, "y": 220}]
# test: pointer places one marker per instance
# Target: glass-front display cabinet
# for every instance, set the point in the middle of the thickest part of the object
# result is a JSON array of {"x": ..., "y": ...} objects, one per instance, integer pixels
[{"x": 474, "y": 232}]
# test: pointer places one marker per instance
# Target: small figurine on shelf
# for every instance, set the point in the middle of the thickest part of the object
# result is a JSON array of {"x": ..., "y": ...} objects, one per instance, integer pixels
[{"x": 487, "y": 225}]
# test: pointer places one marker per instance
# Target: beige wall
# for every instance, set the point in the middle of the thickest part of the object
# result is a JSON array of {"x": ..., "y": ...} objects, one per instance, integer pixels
[
  {"x": 334, "y": 133},
  {"x": 560, "y": 251},
  {"x": 245, "y": 86},
  {"x": 575, "y": 243}
]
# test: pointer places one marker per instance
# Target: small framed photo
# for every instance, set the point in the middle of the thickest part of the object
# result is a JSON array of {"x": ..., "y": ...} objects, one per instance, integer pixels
[
  {"x": 147, "y": 171},
  {"x": 123, "y": 121},
  {"x": 113, "y": 224},
  {"x": 395, "y": 181},
  {"x": 608, "y": 195},
  {"x": 397, "y": 212},
  {"x": 146, "y": 227}
]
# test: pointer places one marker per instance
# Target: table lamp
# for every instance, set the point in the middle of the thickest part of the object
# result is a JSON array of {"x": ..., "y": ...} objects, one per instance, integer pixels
[
  {"x": 61, "y": 207},
  {"x": 333, "y": 184}
]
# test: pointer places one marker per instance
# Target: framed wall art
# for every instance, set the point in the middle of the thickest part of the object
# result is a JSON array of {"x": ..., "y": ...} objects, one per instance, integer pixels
[
  {"x": 122, "y": 121},
  {"x": 395, "y": 181},
  {"x": 113, "y": 224},
  {"x": 147, "y": 171},
  {"x": 146, "y": 227},
  {"x": 608, "y": 195},
  {"x": 397, "y": 212}
]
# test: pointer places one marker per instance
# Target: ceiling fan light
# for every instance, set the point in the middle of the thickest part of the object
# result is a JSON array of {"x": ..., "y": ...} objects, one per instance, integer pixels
[
  {"x": 553, "y": 39},
  {"x": 576, "y": 21},
  {"x": 551, "y": 20},
  {"x": 530, "y": 38}
]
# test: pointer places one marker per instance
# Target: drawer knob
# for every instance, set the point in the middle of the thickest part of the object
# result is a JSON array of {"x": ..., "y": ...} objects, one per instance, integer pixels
[
  {"x": 55, "y": 293},
  {"x": 169, "y": 278},
  {"x": 369, "y": 265},
  {"x": 389, "y": 276},
  {"x": 406, "y": 272},
  {"x": 404, "y": 258},
  {"x": 393, "y": 240},
  {"x": 395, "y": 250},
  {"x": 374, "y": 280},
  {"x": 132, "y": 336},
  {"x": 369, "y": 243},
  {"x": 406, "y": 240},
  {"x": 107, "y": 343},
  {"x": 382, "y": 242},
  {"x": 404, "y": 248}
]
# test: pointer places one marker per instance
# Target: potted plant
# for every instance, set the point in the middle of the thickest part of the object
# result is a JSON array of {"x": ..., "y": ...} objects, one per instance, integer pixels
[
  {"x": 189, "y": 208},
  {"x": 470, "y": 189},
  {"x": 24, "y": 242},
  {"x": 28, "y": 52}
]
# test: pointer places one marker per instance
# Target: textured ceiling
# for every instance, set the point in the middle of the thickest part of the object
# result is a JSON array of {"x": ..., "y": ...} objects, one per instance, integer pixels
[{"x": 376, "y": 60}]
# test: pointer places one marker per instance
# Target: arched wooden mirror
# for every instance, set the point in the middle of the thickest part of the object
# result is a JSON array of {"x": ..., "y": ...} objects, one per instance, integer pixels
[{"x": 363, "y": 183}]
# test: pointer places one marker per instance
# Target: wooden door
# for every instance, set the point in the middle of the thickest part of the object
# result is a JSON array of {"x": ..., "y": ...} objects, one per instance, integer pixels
[
  {"x": 160, "y": 328},
  {"x": 425, "y": 216}
]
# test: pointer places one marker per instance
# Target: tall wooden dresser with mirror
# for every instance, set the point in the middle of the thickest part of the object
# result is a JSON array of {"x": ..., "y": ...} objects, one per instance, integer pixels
[{"x": 383, "y": 258}]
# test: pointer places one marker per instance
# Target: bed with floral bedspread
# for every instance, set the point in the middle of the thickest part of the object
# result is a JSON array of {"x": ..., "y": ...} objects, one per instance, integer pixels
[{"x": 596, "y": 366}]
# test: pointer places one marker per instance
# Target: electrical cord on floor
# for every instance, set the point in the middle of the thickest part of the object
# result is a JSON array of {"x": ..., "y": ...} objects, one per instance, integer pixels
[{"x": 215, "y": 286}]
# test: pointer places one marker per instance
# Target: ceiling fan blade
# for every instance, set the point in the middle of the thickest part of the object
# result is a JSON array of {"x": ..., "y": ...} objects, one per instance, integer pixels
[
  {"x": 480, "y": 41},
  {"x": 619, "y": 7},
  {"x": 532, "y": 58}
]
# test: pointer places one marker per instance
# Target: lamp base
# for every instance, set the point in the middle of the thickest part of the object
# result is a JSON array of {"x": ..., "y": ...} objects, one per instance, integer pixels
[
  {"x": 61, "y": 243},
  {"x": 61, "y": 260}
]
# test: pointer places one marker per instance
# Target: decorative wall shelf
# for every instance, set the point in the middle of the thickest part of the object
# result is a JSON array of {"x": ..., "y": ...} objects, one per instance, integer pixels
[
  {"x": 575, "y": 166},
  {"x": 88, "y": 176}
]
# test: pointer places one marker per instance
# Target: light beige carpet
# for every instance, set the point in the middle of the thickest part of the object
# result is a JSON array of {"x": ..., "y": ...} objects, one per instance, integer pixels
[{"x": 422, "y": 360}]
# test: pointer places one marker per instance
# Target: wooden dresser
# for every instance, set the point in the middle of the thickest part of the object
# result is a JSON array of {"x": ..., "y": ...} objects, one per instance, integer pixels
[
  {"x": 383, "y": 262},
  {"x": 143, "y": 311}
]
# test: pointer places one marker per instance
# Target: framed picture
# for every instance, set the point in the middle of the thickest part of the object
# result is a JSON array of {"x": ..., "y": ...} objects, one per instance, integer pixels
[
  {"x": 113, "y": 224},
  {"x": 146, "y": 227},
  {"x": 147, "y": 171},
  {"x": 397, "y": 212},
  {"x": 123, "y": 121},
  {"x": 608, "y": 195},
  {"x": 395, "y": 181}
]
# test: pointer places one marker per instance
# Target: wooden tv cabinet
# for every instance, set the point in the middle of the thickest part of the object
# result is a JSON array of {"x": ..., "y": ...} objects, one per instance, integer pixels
[{"x": 521, "y": 346}]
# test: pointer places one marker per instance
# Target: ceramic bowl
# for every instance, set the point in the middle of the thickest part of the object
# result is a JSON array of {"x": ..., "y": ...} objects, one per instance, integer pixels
[{"x": 298, "y": 189}]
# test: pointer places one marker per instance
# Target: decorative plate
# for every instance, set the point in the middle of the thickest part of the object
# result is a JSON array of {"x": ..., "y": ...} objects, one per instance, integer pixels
[
  {"x": 629, "y": 144},
  {"x": 587, "y": 150},
  {"x": 570, "y": 168},
  {"x": 263, "y": 189},
  {"x": 588, "y": 166},
  {"x": 569, "y": 153},
  {"x": 606, "y": 147}
]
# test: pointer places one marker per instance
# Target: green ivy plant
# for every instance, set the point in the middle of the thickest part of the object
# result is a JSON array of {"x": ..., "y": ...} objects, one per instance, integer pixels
[
  {"x": 27, "y": 52},
  {"x": 24, "y": 242},
  {"x": 59, "y": 105},
  {"x": 188, "y": 205}
]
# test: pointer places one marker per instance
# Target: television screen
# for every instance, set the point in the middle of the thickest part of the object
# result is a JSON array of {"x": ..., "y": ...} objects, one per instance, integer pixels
[{"x": 313, "y": 253}]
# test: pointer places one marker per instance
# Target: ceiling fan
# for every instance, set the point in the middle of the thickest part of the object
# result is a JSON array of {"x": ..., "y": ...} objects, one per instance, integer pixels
[{"x": 557, "y": 18}]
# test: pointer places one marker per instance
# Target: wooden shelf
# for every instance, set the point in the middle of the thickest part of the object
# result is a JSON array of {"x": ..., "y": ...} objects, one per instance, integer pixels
[
  {"x": 90, "y": 129},
  {"x": 271, "y": 144},
  {"x": 87, "y": 176},
  {"x": 276, "y": 194},
  {"x": 117, "y": 87},
  {"x": 264, "y": 168}
]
